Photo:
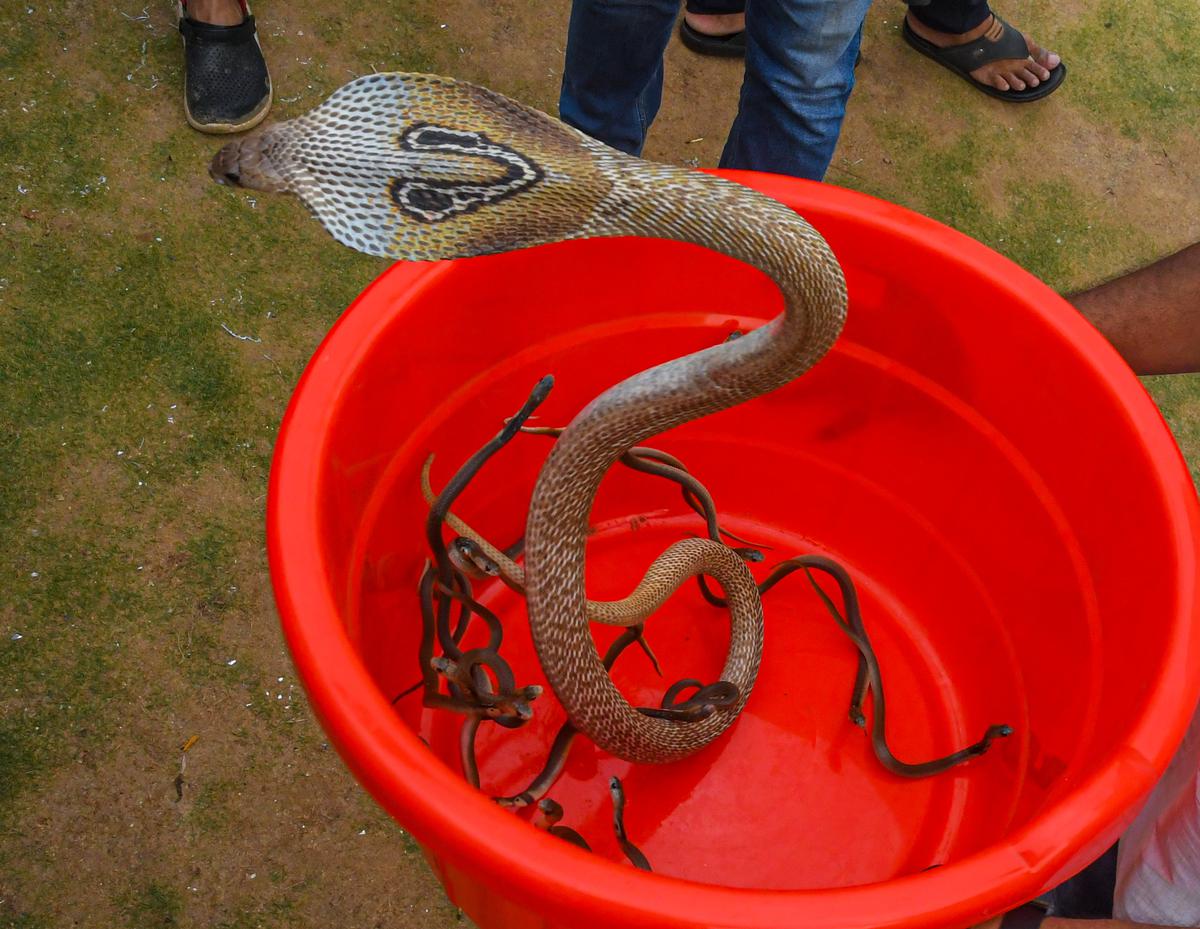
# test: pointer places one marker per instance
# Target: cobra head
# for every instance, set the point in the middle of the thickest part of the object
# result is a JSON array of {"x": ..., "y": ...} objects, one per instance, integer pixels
[
  {"x": 418, "y": 167},
  {"x": 246, "y": 163}
]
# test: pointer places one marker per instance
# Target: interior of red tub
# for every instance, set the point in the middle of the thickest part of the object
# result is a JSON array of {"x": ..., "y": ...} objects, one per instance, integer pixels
[{"x": 967, "y": 467}]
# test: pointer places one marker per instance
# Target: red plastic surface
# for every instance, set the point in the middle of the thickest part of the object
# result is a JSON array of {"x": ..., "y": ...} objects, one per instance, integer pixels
[{"x": 1019, "y": 522}]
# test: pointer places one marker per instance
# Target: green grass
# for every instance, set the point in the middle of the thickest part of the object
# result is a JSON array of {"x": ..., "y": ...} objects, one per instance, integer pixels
[
  {"x": 152, "y": 907},
  {"x": 1143, "y": 73},
  {"x": 1178, "y": 397},
  {"x": 119, "y": 390},
  {"x": 1056, "y": 228},
  {"x": 26, "y": 921},
  {"x": 212, "y": 807},
  {"x": 397, "y": 38}
]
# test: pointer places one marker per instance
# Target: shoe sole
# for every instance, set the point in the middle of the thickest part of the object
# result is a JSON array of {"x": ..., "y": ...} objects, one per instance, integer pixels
[
  {"x": 256, "y": 116},
  {"x": 732, "y": 45}
]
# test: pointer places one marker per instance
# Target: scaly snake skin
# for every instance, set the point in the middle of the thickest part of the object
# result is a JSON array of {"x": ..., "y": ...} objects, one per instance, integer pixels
[
  {"x": 650, "y": 594},
  {"x": 417, "y": 167}
]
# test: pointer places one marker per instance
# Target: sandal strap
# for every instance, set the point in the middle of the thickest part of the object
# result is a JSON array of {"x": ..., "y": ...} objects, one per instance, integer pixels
[
  {"x": 972, "y": 55},
  {"x": 217, "y": 35}
]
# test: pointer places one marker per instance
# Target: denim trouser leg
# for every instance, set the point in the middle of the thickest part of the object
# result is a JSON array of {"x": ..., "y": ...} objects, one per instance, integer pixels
[
  {"x": 953, "y": 16},
  {"x": 799, "y": 73},
  {"x": 613, "y": 76},
  {"x": 716, "y": 7}
]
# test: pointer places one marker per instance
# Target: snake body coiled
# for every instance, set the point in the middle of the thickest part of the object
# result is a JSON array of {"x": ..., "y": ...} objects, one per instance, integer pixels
[{"x": 417, "y": 167}]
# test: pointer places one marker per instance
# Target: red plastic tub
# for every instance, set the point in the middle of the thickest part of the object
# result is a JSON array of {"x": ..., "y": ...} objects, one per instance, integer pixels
[{"x": 1018, "y": 520}]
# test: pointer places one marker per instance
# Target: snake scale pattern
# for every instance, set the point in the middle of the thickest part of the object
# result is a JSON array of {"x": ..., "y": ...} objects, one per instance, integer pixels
[{"x": 418, "y": 167}]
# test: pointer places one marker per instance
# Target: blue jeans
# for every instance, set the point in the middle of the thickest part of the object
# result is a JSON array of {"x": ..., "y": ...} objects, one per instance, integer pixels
[{"x": 799, "y": 73}]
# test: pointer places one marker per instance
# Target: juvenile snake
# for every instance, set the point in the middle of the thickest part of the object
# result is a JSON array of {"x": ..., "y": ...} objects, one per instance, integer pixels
[
  {"x": 647, "y": 597},
  {"x": 417, "y": 167}
]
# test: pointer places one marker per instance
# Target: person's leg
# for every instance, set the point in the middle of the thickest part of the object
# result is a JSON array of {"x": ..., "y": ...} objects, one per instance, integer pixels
[
  {"x": 953, "y": 16},
  {"x": 946, "y": 23},
  {"x": 1089, "y": 894},
  {"x": 715, "y": 7},
  {"x": 799, "y": 73},
  {"x": 716, "y": 17},
  {"x": 215, "y": 12},
  {"x": 613, "y": 75}
]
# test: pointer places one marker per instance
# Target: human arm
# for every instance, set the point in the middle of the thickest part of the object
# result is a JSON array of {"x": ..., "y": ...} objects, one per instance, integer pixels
[
  {"x": 1055, "y": 922},
  {"x": 1151, "y": 316}
]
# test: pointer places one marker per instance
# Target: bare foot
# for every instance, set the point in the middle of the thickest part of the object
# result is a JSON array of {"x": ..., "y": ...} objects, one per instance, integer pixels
[
  {"x": 215, "y": 12},
  {"x": 1005, "y": 74},
  {"x": 716, "y": 24}
]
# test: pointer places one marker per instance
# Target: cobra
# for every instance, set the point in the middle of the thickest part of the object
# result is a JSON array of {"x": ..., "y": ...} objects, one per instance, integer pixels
[{"x": 418, "y": 167}]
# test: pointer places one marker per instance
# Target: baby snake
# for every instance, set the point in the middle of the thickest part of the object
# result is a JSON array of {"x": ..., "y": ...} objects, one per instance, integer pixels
[
  {"x": 647, "y": 597},
  {"x": 417, "y": 167}
]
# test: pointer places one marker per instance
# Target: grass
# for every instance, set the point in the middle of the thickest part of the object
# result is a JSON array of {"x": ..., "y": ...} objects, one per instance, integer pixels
[
  {"x": 1179, "y": 400},
  {"x": 1053, "y": 226},
  {"x": 1151, "y": 78},
  {"x": 151, "y": 907},
  {"x": 136, "y": 431},
  {"x": 213, "y": 806}
]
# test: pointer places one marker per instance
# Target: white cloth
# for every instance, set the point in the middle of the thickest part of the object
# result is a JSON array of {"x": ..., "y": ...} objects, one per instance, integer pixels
[{"x": 1158, "y": 860}]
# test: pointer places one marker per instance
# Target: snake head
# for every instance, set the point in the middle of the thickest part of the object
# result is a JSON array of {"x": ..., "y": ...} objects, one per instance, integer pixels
[
  {"x": 511, "y": 710},
  {"x": 246, "y": 162},
  {"x": 549, "y": 813},
  {"x": 468, "y": 557},
  {"x": 443, "y": 665}
]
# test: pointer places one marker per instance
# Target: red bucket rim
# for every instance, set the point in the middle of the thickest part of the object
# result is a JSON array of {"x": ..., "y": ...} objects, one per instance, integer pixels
[{"x": 555, "y": 878}]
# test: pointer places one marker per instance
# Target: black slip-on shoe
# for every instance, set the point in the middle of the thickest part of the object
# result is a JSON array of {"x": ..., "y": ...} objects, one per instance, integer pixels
[{"x": 226, "y": 86}]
